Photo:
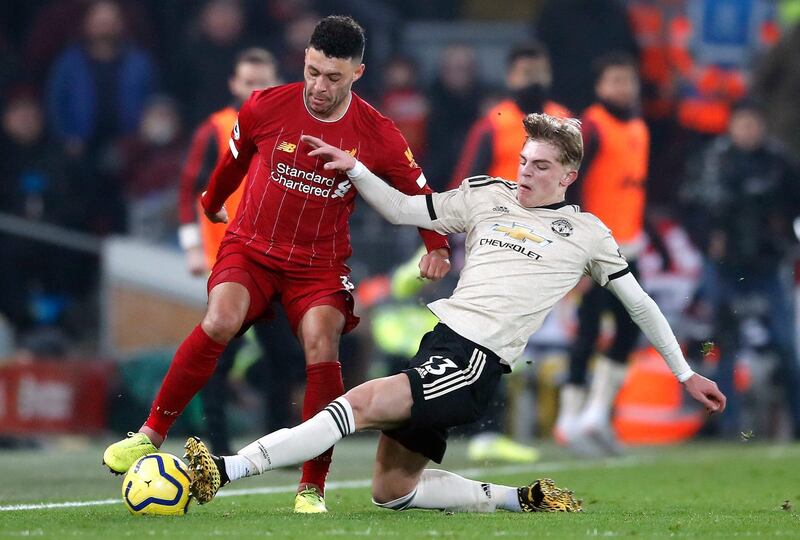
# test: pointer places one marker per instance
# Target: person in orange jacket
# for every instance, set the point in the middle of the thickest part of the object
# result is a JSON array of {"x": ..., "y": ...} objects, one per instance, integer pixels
[
  {"x": 255, "y": 69},
  {"x": 492, "y": 145},
  {"x": 614, "y": 172}
]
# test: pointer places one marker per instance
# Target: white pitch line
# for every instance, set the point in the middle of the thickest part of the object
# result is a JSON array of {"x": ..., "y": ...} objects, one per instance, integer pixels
[{"x": 355, "y": 484}]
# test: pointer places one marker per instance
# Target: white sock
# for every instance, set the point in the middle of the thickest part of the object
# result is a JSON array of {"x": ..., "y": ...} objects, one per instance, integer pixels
[
  {"x": 238, "y": 467},
  {"x": 443, "y": 490},
  {"x": 607, "y": 378},
  {"x": 303, "y": 442}
]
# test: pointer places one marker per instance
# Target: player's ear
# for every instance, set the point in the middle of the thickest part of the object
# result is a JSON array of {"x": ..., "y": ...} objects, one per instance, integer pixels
[
  {"x": 569, "y": 178},
  {"x": 358, "y": 72}
]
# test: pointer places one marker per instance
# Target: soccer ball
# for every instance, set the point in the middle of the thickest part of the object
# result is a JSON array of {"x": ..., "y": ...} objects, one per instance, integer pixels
[{"x": 157, "y": 484}]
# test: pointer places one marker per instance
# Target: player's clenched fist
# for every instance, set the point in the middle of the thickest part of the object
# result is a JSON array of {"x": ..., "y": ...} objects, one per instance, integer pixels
[{"x": 435, "y": 265}]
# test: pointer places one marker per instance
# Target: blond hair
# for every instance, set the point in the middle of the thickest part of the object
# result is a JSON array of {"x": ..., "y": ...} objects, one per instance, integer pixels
[{"x": 563, "y": 133}]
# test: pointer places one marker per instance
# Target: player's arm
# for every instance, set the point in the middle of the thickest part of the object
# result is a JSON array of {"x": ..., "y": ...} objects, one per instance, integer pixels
[
  {"x": 200, "y": 161},
  {"x": 395, "y": 164},
  {"x": 231, "y": 167},
  {"x": 647, "y": 315},
  {"x": 432, "y": 211},
  {"x": 609, "y": 268}
]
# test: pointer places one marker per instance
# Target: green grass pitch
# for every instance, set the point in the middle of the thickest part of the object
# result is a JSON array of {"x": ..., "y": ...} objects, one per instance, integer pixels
[{"x": 693, "y": 491}]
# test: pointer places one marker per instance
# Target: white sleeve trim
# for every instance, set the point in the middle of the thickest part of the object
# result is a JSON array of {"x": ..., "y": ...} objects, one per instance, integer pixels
[
  {"x": 646, "y": 314},
  {"x": 189, "y": 236},
  {"x": 234, "y": 150}
]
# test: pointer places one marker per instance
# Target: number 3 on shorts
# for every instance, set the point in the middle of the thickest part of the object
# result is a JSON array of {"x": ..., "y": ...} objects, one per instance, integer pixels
[{"x": 437, "y": 365}]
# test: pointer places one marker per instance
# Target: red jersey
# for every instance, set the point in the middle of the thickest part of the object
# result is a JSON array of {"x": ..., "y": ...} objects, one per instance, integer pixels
[{"x": 292, "y": 208}]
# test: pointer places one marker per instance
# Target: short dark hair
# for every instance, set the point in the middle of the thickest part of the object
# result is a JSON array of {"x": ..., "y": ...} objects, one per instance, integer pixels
[
  {"x": 613, "y": 59},
  {"x": 255, "y": 55},
  {"x": 530, "y": 49},
  {"x": 339, "y": 36}
]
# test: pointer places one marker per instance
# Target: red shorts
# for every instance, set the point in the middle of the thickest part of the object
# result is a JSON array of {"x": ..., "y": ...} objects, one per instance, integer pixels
[{"x": 297, "y": 288}]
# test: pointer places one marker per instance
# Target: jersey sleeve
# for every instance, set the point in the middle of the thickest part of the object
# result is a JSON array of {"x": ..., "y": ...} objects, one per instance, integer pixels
[
  {"x": 200, "y": 161},
  {"x": 607, "y": 263},
  {"x": 233, "y": 165},
  {"x": 449, "y": 211},
  {"x": 396, "y": 164}
]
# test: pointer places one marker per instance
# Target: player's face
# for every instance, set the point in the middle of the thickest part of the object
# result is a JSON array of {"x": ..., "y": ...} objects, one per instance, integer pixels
[
  {"x": 542, "y": 180},
  {"x": 619, "y": 85},
  {"x": 250, "y": 77},
  {"x": 328, "y": 82},
  {"x": 529, "y": 70}
]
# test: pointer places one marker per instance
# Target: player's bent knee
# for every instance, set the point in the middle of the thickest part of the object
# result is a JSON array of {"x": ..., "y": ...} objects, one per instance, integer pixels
[
  {"x": 221, "y": 326},
  {"x": 392, "y": 497},
  {"x": 320, "y": 348}
]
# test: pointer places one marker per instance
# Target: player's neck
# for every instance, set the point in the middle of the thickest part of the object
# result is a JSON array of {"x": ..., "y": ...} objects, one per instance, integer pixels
[{"x": 335, "y": 114}]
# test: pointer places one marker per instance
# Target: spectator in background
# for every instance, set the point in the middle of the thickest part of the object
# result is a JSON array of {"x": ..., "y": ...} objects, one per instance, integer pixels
[
  {"x": 53, "y": 28},
  {"x": 150, "y": 168},
  {"x": 405, "y": 104},
  {"x": 494, "y": 141},
  {"x": 777, "y": 83},
  {"x": 576, "y": 32},
  {"x": 202, "y": 65},
  {"x": 34, "y": 185},
  {"x": 292, "y": 48},
  {"x": 455, "y": 99},
  {"x": 741, "y": 206},
  {"x": 98, "y": 88},
  {"x": 96, "y": 93},
  {"x": 613, "y": 176}
]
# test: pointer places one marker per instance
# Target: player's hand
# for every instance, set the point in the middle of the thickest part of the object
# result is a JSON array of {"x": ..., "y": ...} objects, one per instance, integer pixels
[
  {"x": 217, "y": 217},
  {"x": 336, "y": 158},
  {"x": 706, "y": 392},
  {"x": 435, "y": 264},
  {"x": 196, "y": 261},
  {"x": 220, "y": 216}
]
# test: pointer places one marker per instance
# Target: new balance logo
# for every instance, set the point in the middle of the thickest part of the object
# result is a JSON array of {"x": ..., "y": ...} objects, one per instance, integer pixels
[
  {"x": 342, "y": 189},
  {"x": 287, "y": 147}
]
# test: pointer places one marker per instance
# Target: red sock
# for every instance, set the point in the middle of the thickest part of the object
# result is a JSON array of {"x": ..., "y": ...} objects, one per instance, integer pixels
[
  {"x": 323, "y": 385},
  {"x": 192, "y": 366}
]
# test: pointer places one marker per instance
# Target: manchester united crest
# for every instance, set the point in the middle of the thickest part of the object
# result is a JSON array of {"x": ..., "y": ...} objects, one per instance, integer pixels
[{"x": 561, "y": 227}]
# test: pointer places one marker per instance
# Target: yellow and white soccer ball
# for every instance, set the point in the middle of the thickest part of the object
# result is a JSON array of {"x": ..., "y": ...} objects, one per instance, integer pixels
[{"x": 157, "y": 484}]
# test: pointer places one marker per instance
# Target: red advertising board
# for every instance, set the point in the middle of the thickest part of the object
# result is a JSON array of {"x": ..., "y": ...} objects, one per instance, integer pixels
[{"x": 53, "y": 396}]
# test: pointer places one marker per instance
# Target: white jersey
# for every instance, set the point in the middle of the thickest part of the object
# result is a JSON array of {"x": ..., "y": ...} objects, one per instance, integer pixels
[{"x": 519, "y": 261}]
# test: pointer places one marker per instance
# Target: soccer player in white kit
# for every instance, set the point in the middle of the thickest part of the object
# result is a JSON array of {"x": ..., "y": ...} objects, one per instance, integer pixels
[{"x": 526, "y": 249}]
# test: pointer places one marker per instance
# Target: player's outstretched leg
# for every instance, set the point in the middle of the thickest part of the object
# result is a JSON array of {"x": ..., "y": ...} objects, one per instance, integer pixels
[
  {"x": 191, "y": 367},
  {"x": 443, "y": 490},
  {"x": 402, "y": 482}
]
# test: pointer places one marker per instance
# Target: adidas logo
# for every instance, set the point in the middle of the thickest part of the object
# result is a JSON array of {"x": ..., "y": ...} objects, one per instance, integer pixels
[
  {"x": 287, "y": 147},
  {"x": 502, "y": 209}
]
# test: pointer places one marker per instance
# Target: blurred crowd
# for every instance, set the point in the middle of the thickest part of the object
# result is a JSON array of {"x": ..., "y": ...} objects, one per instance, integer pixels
[{"x": 99, "y": 100}]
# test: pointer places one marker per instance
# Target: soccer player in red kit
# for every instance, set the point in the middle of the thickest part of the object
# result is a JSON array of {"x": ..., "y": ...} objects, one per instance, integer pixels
[{"x": 290, "y": 238}]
